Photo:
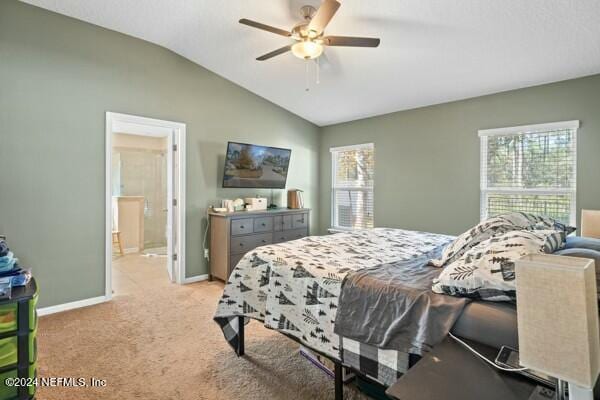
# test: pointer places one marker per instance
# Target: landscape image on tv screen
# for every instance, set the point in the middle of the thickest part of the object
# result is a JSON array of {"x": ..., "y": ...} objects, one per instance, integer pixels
[{"x": 253, "y": 166}]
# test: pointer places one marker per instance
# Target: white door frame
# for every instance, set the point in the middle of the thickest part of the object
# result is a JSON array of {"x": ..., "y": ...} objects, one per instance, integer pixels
[{"x": 175, "y": 131}]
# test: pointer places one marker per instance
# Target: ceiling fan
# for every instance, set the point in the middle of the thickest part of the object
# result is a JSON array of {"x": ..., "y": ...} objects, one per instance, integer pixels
[{"x": 309, "y": 34}]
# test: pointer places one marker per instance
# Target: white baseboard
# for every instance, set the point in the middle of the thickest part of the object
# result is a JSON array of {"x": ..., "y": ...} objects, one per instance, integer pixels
[
  {"x": 197, "y": 278},
  {"x": 71, "y": 306},
  {"x": 97, "y": 300}
]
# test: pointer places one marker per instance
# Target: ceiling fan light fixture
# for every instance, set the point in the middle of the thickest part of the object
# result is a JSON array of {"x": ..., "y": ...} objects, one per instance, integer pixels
[
  {"x": 309, "y": 35},
  {"x": 307, "y": 50}
]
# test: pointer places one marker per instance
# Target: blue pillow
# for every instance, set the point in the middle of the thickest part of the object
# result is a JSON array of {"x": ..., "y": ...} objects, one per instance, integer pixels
[
  {"x": 585, "y": 253},
  {"x": 582, "y": 243}
]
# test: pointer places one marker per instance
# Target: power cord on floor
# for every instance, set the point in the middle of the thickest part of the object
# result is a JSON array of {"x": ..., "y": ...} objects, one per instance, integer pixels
[{"x": 493, "y": 364}]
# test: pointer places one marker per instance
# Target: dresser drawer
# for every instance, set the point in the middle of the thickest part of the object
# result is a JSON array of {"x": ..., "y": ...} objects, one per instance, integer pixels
[
  {"x": 234, "y": 259},
  {"x": 293, "y": 234},
  {"x": 263, "y": 239},
  {"x": 299, "y": 221},
  {"x": 243, "y": 244},
  {"x": 242, "y": 226},
  {"x": 263, "y": 224},
  {"x": 282, "y": 223}
]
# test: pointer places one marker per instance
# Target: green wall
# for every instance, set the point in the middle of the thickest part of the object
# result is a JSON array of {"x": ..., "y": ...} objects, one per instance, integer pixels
[
  {"x": 58, "y": 77},
  {"x": 427, "y": 159}
]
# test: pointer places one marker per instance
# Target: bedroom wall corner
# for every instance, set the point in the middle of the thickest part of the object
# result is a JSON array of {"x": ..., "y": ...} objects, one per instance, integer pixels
[
  {"x": 58, "y": 77},
  {"x": 427, "y": 159}
]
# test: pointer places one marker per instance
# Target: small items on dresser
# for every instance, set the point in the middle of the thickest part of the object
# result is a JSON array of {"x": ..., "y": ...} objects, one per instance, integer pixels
[
  {"x": 295, "y": 199},
  {"x": 256, "y": 203},
  {"x": 232, "y": 205},
  {"x": 248, "y": 204},
  {"x": 238, "y": 205},
  {"x": 590, "y": 224},
  {"x": 226, "y": 206}
]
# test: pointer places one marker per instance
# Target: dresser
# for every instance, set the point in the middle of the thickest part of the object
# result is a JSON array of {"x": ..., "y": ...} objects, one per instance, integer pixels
[{"x": 233, "y": 234}]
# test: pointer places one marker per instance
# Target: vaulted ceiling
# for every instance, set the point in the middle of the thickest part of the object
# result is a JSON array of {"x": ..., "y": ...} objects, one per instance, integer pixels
[{"x": 432, "y": 51}]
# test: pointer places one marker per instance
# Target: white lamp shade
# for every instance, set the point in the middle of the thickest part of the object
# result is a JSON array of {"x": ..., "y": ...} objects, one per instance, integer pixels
[{"x": 557, "y": 312}]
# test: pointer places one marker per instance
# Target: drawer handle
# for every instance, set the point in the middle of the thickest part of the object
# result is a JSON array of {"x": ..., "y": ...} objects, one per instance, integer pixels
[
  {"x": 241, "y": 226},
  {"x": 242, "y": 244},
  {"x": 263, "y": 224},
  {"x": 264, "y": 241}
]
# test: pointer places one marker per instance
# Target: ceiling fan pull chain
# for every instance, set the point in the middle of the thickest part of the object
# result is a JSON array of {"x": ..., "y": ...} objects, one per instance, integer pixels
[
  {"x": 318, "y": 70},
  {"x": 306, "y": 75}
]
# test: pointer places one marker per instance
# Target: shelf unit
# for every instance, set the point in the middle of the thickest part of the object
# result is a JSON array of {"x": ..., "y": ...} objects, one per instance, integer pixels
[{"x": 18, "y": 341}]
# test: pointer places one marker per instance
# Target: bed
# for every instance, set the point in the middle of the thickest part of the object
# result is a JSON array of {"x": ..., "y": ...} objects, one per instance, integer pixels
[{"x": 294, "y": 287}]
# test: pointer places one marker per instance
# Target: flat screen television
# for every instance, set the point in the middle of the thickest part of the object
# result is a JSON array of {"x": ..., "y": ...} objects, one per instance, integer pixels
[{"x": 254, "y": 166}]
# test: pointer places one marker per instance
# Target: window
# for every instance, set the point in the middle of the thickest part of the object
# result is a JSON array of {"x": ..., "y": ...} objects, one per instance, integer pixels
[
  {"x": 352, "y": 186},
  {"x": 530, "y": 169}
]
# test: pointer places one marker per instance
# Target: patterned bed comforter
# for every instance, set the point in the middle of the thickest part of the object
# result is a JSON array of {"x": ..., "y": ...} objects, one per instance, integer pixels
[{"x": 293, "y": 287}]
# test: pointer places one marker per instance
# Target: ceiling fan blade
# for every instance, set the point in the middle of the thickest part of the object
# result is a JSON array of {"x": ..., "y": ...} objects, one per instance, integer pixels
[
  {"x": 274, "y": 53},
  {"x": 324, "y": 14},
  {"x": 350, "y": 41},
  {"x": 264, "y": 27}
]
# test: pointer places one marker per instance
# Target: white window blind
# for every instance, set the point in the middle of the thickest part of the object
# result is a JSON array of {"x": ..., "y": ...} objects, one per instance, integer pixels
[
  {"x": 352, "y": 186},
  {"x": 530, "y": 168}
]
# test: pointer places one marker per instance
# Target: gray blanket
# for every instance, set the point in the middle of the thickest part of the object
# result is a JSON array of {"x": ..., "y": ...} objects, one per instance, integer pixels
[{"x": 391, "y": 306}]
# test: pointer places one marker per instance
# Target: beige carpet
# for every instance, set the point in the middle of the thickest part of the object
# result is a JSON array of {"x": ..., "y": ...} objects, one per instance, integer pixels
[{"x": 157, "y": 340}]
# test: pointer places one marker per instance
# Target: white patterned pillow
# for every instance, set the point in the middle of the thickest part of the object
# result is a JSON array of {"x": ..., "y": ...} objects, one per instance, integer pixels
[
  {"x": 486, "y": 271},
  {"x": 534, "y": 221},
  {"x": 493, "y": 226}
]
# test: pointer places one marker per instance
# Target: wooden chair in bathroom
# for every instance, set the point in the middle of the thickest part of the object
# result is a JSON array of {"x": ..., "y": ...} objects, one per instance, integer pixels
[{"x": 116, "y": 239}]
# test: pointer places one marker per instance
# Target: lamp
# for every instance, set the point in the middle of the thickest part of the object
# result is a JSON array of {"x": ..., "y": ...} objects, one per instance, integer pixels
[
  {"x": 557, "y": 314},
  {"x": 307, "y": 49},
  {"x": 590, "y": 224}
]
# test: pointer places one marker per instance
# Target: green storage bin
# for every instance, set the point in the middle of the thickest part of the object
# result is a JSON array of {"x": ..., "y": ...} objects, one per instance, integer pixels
[
  {"x": 8, "y": 351},
  {"x": 11, "y": 392},
  {"x": 33, "y": 346},
  {"x": 8, "y": 317},
  {"x": 8, "y": 392},
  {"x": 33, "y": 375},
  {"x": 33, "y": 318}
]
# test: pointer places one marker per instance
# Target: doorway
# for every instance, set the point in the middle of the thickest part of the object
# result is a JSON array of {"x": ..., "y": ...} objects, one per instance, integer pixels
[{"x": 145, "y": 200}]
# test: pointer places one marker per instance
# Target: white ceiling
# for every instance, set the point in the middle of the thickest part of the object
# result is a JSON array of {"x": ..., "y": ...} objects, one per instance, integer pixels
[{"x": 432, "y": 51}]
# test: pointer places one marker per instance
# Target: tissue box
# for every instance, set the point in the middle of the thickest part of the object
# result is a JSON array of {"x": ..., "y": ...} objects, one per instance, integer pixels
[{"x": 256, "y": 203}]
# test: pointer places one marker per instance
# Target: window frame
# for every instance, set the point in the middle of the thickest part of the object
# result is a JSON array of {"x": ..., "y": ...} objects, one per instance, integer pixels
[
  {"x": 334, "y": 188},
  {"x": 485, "y": 191}
]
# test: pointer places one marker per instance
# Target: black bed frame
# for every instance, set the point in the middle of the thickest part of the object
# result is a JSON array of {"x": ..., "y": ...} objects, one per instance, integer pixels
[{"x": 339, "y": 384}]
